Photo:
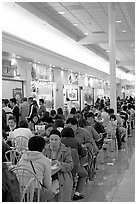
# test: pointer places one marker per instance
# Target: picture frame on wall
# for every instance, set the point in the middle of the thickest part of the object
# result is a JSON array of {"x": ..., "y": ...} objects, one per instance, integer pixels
[{"x": 72, "y": 94}]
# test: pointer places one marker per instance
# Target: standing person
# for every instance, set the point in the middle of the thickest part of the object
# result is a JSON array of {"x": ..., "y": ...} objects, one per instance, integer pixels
[
  {"x": 24, "y": 109},
  {"x": 42, "y": 108},
  {"x": 32, "y": 109},
  {"x": 15, "y": 109},
  {"x": 5, "y": 107}
]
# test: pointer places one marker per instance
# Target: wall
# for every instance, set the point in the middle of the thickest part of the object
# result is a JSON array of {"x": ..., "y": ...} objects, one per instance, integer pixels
[{"x": 8, "y": 86}]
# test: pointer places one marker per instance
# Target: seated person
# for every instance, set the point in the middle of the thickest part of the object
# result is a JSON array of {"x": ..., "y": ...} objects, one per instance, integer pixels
[
  {"x": 42, "y": 164},
  {"x": 58, "y": 124},
  {"x": 61, "y": 156},
  {"x": 69, "y": 140}
]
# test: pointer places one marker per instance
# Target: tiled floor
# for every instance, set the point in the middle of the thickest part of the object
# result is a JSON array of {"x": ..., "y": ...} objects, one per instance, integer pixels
[{"x": 115, "y": 179}]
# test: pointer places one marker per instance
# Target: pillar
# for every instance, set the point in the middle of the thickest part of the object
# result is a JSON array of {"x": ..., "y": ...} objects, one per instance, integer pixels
[{"x": 112, "y": 60}]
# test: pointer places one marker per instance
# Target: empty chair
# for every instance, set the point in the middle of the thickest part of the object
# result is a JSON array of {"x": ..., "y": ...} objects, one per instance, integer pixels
[
  {"x": 21, "y": 143},
  {"x": 13, "y": 156},
  {"x": 29, "y": 184}
]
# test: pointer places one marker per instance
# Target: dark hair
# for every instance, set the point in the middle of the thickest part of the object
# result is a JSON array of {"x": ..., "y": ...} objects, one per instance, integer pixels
[
  {"x": 41, "y": 100},
  {"x": 58, "y": 123},
  {"x": 73, "y": 121},
  {"x": 113, "y": 117},
  {"x": 6, "y": 101},
  {"x": 82, "y": 122},
  {"x": 56, "y": 132},
  {"x": 11, "y": 117},
  {"x": 24, "y": 99},
  {"x": 48, "y": 125},
  {"x": 13, "y": 100},
  {"x": 52, "y": 112},
  {"x": 124, "y": 108},
  {"x": 3, "y": 101},
  {"x": 111, "y": 111},
  {"x": 67, "y": 132},
  {"x": 60, "y": 111},
  {"x": 23, "y": 124},
  {"x": 30, "y": 98},
  {"x": 90, "y": 114},
  {"x": 73, "y": 110},
  {"x": 36, "y": 143}
]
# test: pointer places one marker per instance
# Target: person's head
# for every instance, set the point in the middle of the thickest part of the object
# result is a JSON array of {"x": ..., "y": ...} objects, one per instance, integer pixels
[
  {"x": 24, "y": 99},
  {"x": 111, "y": 111},
  {"x": 90, "y": 118},
  {"x": 124, "y": 107},
  {"x": 23, "y": 124},
  {"x": 6, "y": 102},
  {"x": 60, "y": 111},
  {"x": 13, "y": 102},
  {"x": 73, "y": 123},
  {"x": 30, "y": 100},
  {"x": 112, "y": 117},
  {"x": 48, "y": 129},
  {"x": 41, "y": 101},
  {"x": 35, "y": 119},
  {"x": 52, "y": 113},
  {"x": 12, "y": 121},
  {"x": 67, "y": 132},
  {"x": 36, "y": 143},
  {"x": 55, "y": 139},
  {"x": 82, "y": 122},
  {"x": 73, "y": 111}
]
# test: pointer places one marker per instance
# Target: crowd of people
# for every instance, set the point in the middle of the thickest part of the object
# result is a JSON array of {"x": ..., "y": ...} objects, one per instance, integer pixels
[{"x": 63, "y": 140}]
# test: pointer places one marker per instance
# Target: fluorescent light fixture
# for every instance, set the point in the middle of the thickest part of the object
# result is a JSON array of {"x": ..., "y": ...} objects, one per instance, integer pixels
[
  {"x": 38, "y": 62},
  {"x": 61, "y": 12},
  {"x": 86, "y": 33},
  {"x": 75, "y": 24},
  {"x": 107, "y": 50},
  {"x": 18, "y": 56},
  {"x": 124, "y": 31},
  {"x": 118, "y": 21}
]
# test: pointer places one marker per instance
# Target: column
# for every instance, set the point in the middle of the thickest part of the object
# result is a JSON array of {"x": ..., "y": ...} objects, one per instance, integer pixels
[
  {"x": 112, "y": 60},
  {"x": 119, "y": 90}
]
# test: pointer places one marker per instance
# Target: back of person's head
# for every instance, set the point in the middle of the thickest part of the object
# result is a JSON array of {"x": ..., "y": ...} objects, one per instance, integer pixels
[
  {"x": 13, "y": 100},
  {"x": 113, "y": 117},
  {"x": 129, "y": 106},
  {"x": 23, "y": 124},
  {"x": 73, "y": 110},
  {"x": 82, "y": 122},
  {"x": 36, "y": 143},
  {"x": 72, "y": 121},
  {"x": 41, "y": 100},
  {"x": 6, "y": 101},
  {"x": 60, "y": 111},
  {"x": 67, "y": 132},
  {"x": 52, "y": 112},
  {"x": 111, "y": 111},
  {"x": 124, "y": 107},
  {"x": 58, "y": 123},
  {"x": 3, "y": 101},
  {"x": 90, "y": 114}
]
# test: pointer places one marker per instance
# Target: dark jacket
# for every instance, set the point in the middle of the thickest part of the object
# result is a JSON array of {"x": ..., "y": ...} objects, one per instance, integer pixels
[{"x": 16, "y": 113}]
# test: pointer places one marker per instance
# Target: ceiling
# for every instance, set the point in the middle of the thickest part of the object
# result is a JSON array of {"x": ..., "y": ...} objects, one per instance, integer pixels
[{"x": 87, "y": 24}]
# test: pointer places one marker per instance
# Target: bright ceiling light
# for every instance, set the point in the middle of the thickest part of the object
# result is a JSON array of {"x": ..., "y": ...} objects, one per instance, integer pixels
[
  {"x": 18, "y": 56},
  {"x": 118, "y": 21},
  {"x": 86, "y": 33},
  {"x": 107, "y": 50},
  {"x": 61, "y": 12},
  {"x": 75, "y": 24},
  {"x": 124, "y": 31}
]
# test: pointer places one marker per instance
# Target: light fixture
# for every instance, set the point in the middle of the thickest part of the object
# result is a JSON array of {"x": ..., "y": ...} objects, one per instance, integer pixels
[
  {"x": 107, "y": 50},
  {"x": 118, "y": 21},
  {"x": 61, "y": 12},
  {"x": 75, "y": 24},
  {"x": 124, "y": 31},
  {"x": 38, "y": 62},
  {"x": 86, "y": 33},
  {"x": 18, "y": 56}
]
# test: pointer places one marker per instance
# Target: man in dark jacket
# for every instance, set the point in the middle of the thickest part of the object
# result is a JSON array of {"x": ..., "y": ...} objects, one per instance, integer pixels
[{"x": 15, "y": 109}]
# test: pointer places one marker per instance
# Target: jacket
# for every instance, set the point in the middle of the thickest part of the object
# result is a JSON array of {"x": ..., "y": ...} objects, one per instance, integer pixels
[
  {"x": 41, "y": 164},
  {"x": 64, "y": 175}
]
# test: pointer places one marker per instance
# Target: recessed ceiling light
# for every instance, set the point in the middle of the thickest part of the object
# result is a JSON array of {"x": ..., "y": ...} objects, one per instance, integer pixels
[
  {"x": 118, "y": 21},
  {"x": 86, "y": 33},
  {"x": 38, "y": 62},
  {"x": 124, "y": 31},
  {"x": 75, "y": 24},
  {"x": 61, "y": 12},
  {"x": 18, "y": 56},
  {"x": 107, "y": 50}
]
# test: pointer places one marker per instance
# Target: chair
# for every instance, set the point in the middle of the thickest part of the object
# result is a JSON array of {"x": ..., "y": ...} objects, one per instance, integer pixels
[
  {"x": 21, "y": 143},
  {"x": 13, "y": 156},
  {"x": 29, "y": 184}
]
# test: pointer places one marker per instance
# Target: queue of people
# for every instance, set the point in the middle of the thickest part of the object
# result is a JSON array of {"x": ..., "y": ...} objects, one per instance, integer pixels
[{"x": 63, "y": 141}]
